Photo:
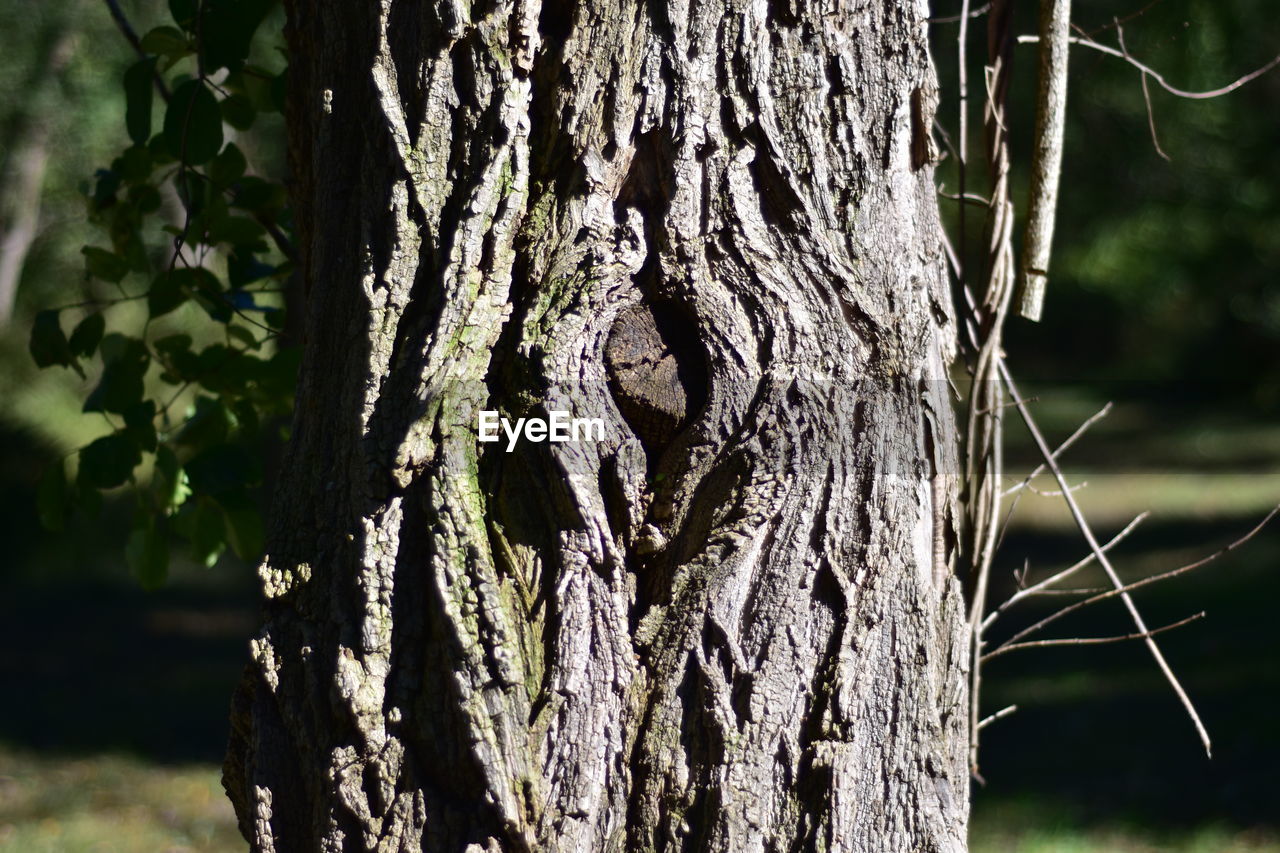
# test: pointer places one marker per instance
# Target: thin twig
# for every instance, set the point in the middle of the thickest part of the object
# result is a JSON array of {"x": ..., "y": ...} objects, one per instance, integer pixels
[
  {"x": 122, "y": 22},
  {"x": 1087, "y": 532},
  {"x": 1043, "y": 586},
  {"x": 955, "y": 19},
  {"x": 1151, "y": 119},
  {"x": 1155, "y": 75},
  {"x": 1071, "y": 439},
  {"x": 1056, "y": 493},
  {"x": 1026, "y": 481},
  {"x": 1088, "y": 590},
  {"x": 131, "y": 36},
  {"x": 1126, "y": 19},
  {"x": 1138, "y": 584},
  {"x": 1090, "y": 641},
  {"x": 283, "y": 243},
  {"x": 967, "y": 198},
  {"x": 998, "y": 715},
  {"x": 1146, "y": 95}
]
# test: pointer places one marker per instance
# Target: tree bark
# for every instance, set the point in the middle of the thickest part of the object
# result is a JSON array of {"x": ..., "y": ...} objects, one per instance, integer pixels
[{"x": 731, "y": 623}]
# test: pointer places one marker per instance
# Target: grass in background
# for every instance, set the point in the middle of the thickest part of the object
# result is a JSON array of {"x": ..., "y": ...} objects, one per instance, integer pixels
[
  {"x": 111, "y": 804},
  {"x": 116, "y": 742}
]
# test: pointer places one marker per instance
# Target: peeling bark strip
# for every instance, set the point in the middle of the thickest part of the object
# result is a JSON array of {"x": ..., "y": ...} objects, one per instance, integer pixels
[{"x": 734, "y": 633}]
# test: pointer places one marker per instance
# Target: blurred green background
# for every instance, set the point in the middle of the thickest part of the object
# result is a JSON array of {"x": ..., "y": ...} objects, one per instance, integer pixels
[{"x": 1165, "y": 299}]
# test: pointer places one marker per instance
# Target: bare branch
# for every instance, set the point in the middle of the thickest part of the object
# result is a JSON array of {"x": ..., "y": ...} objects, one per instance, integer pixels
[
  {"x": 1156, "y": 578},
  {"x": 1090, "y": 641},
  {"x": 967, "y": 198},
  {"x": 1087, "y": 532},
  {"x": 1071, "y": 439},
  {"x": 1043, "y": 586},
  {"x": 1155, "y": 75},
  {"x": 955, "y": 19},
  {"x": 131, "y": 36},
  {"x": 1146, "y": 94},
  {"x": 1088, "y": 590},
  {"x": 1056, "y": 493},
  {"x": 998, "y": 715},
  {"x": 1126, "y": 19}
]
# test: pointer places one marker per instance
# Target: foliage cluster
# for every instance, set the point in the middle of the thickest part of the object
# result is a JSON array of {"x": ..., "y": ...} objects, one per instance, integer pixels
[{"x": 185, "y": 222}]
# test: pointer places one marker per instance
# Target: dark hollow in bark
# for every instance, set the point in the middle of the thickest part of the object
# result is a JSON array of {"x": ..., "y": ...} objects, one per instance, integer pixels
[{"x": 736, "y": 632}]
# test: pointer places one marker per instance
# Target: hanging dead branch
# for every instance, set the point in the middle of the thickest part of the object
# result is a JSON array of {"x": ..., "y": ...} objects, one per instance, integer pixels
[{"x": 1046, "y": 158}]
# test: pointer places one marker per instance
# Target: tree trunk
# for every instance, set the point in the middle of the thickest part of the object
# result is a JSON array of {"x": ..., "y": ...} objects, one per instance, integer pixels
[{"x": 730, "y": 623}]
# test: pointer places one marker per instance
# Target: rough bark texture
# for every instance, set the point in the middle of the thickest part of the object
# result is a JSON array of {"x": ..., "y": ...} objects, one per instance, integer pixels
[{"x": 738, "y": 632}]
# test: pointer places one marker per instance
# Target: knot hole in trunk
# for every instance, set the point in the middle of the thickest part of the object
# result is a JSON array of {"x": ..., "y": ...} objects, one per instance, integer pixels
[{"x": 657, "y": 372}]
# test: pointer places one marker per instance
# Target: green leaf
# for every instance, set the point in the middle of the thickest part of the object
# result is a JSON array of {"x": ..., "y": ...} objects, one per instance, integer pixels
[
  {"x": 244, "y": 268},
  {"x": 104, "y": 265},
  {"x": 222, "y": 470},
  {"x": 87, "y": 335},
  {"x": 239, "y": 231},
  {"x": 167, "y": 41},
  {"x": 147, "y": 552},
  {"x": 145, "y": 198},
  {"x": 173, "y": 287},
  {"x": 280, "y": 377},
  {"x": 121, "y": 385},
  {"x": 184, "y": 13},
  {"x": 247, "y": 414},
  {"x": 193, "y": 124},
  {"x": 52, "y": 497},
  {"x": 193, "y": 191},
  {"x": 158, "y": 148},
  {"x": 49, "y": 345},
  {"x": 279, "y": 85},
  {"x": 244, "y": 336},
  {"x": 166, "y": 294},
  {"x": 88, "y": 498},
  {"x": 209, "y": 424},
  {"x": 227, "y": 30},
  {"x": 260, "y": 196},
  {"x": 109, "y": 461},
  {"x": 201, "y": 523},
  {"x": 139, "y": 422},
  {"x": 134, "y": 163},
  {"x": 244, "y": 528},
  {"x": 139, "y": 83},
  {"x": 169, "y": 481},
  {"x": 238, "y": 111},
  {"x": 228, "y": 166},
  {"x": 104, "y": 191},
  {"x": 180, "y": 363}
]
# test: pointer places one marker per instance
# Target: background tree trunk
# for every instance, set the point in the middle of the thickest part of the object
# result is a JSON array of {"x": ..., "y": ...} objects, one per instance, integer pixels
[
  {"x": 729, "y": 625},
  {"x": 25, "y": 156}
]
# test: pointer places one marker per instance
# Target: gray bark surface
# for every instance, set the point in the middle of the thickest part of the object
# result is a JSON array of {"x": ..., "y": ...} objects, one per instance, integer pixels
[{"x": 739, "y": 632}]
